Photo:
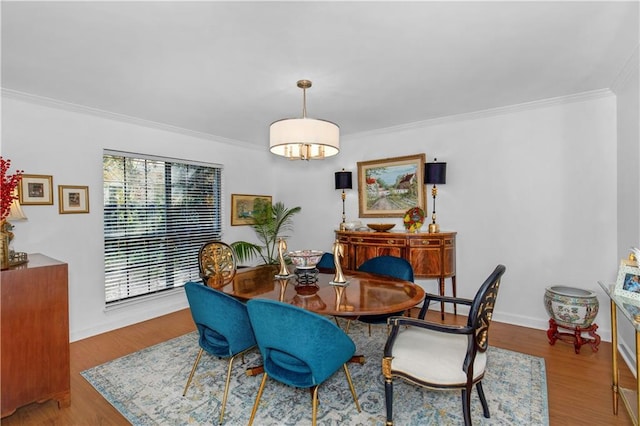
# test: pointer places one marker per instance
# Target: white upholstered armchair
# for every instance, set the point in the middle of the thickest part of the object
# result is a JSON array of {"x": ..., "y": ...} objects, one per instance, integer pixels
[{"x": 440, "y": 356}]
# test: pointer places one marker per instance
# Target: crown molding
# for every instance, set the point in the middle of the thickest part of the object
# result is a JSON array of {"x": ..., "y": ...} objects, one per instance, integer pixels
[
  {"x": 68, "y": 106},
  {"x": 491, "y": 112},
  {"x": 629, "y": 69}
]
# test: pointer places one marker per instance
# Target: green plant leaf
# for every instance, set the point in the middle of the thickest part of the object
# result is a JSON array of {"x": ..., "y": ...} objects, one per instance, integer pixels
[{"x": 271, "y": 222}]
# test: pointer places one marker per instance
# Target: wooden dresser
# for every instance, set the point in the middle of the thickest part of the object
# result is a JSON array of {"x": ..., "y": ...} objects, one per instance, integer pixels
[
  {"x": 431, "y": 255},
  {"x": 34, "y": 351}
]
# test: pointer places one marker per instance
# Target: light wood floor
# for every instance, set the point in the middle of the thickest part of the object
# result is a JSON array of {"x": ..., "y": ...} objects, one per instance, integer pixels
[{"x": 579, "y": 386}]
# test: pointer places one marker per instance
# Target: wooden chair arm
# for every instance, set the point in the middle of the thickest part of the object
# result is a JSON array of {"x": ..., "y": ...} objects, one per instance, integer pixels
[
  {"x": 429, "y": 297},
  {"x": 396, "y": 322}
]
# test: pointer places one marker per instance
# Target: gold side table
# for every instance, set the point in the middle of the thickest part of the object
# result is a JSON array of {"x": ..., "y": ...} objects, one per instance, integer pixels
[{"x": 631, "y": 312}]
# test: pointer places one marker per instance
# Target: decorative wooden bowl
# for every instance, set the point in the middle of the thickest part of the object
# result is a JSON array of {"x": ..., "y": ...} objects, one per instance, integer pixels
[{"x": 381, "y": 227}]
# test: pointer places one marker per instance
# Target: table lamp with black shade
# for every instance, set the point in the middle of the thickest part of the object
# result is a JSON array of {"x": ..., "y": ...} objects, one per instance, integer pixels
[
  {"x": 343, "y": 181},
  {"x": 435, "y": 173}
]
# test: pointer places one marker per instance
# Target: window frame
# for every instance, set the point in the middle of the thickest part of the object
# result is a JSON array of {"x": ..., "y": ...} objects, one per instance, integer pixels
[{"x": 163, "y": 228}]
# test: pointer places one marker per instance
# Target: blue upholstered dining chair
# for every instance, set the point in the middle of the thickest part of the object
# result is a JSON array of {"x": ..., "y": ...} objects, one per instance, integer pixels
[
  {"x": 326, "y": 263},
  {"x": 392, "y": 266},
  {"x": 441, "y": 356},
  {"x": 299, "y": 348},
  {"x": 224, "y": 328}
]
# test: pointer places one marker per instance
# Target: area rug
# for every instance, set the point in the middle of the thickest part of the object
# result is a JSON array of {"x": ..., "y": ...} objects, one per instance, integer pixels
[{"x": 146, "y": 387}]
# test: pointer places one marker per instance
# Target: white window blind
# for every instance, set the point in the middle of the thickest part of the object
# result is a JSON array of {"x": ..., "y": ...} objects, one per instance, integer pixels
[{"x": 157, "y": 214}]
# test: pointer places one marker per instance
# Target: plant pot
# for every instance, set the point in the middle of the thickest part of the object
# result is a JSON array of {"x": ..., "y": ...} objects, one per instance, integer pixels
[{"x": 571, "y": 307}]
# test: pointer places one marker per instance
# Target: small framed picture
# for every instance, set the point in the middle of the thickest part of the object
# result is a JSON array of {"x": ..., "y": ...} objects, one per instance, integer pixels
[
  {"x": 628, "y": 281},
  {"x": 243, "y": 207},
  {"x": 73, "y": 199},
  {"x": 36, "y": 190}
]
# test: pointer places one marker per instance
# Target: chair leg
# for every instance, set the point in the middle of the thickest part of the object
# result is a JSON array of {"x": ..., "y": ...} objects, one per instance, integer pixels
[
  {"x": 347, "y": 328},
  {"x": 314, "y": 405},
  {"x": 226, "y": 388},
  {"x": 388, "y": 388},
  {"x": 483, "y": 400},
  {"x": 369, "y": 330},
  {"x": 255, "y": 404},
  {"x": 336, "y": 320},
  {"x": 388, "y": 399},
  {"x": 193, "y": 370},
  {"x": 466, "y": 406},
  {"x": 351, "y": 387}
]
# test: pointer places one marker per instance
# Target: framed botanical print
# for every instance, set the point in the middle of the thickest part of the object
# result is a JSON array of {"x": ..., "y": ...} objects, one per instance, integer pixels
[
  {"x": 243, "y": 206},
  {"x": 391, "y": 186},
  {"x": 36, "y": 190}
]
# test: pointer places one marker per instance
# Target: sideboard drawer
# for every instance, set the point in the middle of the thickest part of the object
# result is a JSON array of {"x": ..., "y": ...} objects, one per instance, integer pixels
[
  {"x": 390, "y": 241},
  {"x": 425, "y": 242}
]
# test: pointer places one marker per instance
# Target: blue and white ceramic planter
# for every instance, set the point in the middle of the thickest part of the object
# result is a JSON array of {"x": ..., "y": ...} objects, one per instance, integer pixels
[{"x": 571, "y": 307}]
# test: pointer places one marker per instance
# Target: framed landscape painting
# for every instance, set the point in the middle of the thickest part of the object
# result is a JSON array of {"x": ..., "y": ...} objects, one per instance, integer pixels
[
  {"x": 243, "y": 206},
  {"x": 391, "y": 186}
]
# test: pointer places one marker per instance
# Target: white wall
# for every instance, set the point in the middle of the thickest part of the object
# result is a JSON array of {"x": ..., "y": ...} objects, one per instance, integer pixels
[
  {"x": 627, "y": 89},
  {"x": 69, "y": 145},
  {"x": 531, "y": 187}
]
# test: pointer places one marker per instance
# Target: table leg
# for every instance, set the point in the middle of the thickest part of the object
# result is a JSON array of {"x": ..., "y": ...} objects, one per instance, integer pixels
[
  {"x": 637, "y": 375},
  {"x": 441, "y": 283},
  {"x": 455, "y": 294},
  {"x": 442, "y": 289},
  {"x": 614, "y": 356}
]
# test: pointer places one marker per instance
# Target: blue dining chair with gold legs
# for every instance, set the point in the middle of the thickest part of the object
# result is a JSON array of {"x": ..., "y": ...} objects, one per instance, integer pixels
[
  {"x": 391, "y": 266},
  {"x": 224, "y": 328},
  {"x": 299, "y": 348}
]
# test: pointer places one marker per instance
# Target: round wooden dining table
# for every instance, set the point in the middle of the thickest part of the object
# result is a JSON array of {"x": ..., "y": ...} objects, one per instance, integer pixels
[{"x": 363, "y": 294}]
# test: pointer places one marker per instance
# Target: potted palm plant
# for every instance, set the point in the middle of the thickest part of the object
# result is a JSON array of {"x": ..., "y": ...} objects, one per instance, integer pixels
[{"x": 270, "y": 222}]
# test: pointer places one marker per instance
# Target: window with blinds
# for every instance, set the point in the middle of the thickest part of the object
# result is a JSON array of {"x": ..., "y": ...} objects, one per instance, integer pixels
[{"x": 157, "y": 214}]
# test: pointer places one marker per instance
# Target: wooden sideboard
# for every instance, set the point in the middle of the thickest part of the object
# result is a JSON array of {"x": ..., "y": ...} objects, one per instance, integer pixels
[
  {"x": 431, "y": 255},
  {"x": 34, "y": 351}
]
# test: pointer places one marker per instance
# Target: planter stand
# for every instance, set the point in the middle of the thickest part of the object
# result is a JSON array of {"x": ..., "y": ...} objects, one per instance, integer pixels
[{"x": 575, "y": 337}]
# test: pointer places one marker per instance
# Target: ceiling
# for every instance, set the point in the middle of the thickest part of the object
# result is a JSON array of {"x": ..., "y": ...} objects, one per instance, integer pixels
[{"x": 229, "y": 69}]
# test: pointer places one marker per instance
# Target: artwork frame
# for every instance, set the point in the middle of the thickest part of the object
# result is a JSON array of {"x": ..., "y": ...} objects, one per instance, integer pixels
[
  {"x": 73, "y": 199},
  {"x": 408, "y": 188},
  {"x": 36, "y": 190},
  {"x": 628, "y": 281},
  {"x": 242, "y": 206}
]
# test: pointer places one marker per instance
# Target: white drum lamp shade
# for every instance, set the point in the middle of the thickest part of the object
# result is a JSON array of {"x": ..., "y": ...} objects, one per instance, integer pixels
[{"x": 304, "y": 138}]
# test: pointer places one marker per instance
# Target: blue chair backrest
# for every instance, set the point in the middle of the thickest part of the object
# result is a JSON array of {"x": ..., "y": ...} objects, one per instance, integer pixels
[
  {"x": 298, "y": 347},
  {"x": 388, "y": 265},
  {"x": 326, "y": 262},
  {"x": 221, "y": 320}
]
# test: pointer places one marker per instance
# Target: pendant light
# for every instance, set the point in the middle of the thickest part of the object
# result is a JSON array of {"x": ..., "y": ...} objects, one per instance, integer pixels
[{"x": 304, "y": 138}]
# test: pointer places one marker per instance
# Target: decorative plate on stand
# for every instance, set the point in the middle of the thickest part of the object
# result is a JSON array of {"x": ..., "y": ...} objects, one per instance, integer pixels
[{"x": 413, "y": 219}]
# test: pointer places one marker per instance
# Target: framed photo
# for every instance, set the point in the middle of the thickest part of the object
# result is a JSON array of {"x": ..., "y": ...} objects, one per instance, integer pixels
[
  {"x": 73, "y": 199},
  {"x": 389, "y": 187},
  {"x": 243, "y": 207},
  {"x": 628, "y": 282},
  {"x": 36, "y": 190}
]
